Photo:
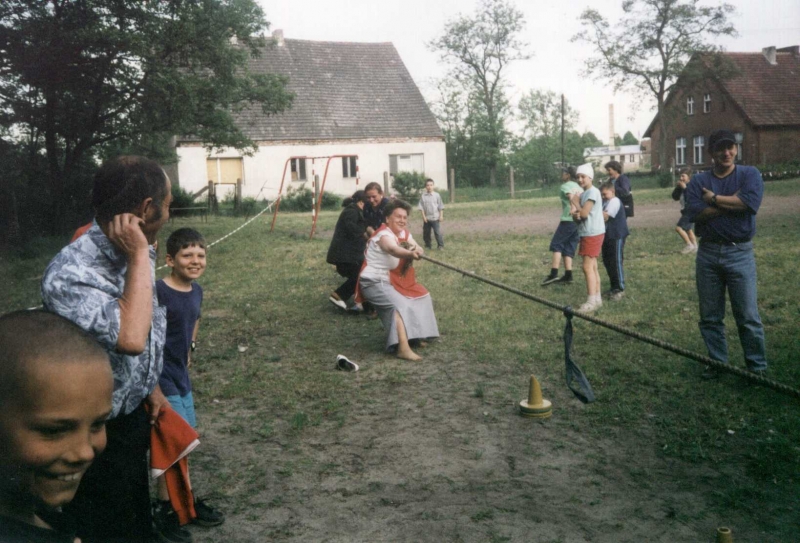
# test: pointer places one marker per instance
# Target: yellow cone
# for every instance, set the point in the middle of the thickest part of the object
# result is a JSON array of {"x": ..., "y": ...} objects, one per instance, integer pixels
[
  {"x": 535, "y": 406},
  {"x": 724, "y": 535}
]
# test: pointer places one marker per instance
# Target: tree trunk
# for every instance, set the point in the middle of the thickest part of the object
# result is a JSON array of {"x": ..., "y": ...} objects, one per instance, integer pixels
[{"x": 663, "y": 160}]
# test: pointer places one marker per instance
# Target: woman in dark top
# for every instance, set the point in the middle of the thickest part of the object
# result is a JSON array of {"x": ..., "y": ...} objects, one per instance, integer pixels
[{"x": 347, "y": 248}]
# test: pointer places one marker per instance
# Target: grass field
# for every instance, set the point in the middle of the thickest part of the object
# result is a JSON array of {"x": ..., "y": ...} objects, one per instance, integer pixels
[{"x": 434, "y": 450}]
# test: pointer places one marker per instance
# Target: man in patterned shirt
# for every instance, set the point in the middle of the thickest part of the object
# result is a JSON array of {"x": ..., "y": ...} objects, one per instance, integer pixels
[{"x": 103, "y": 282}]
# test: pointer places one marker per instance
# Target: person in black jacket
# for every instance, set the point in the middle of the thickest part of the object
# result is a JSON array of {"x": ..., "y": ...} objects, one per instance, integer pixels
[{"x": 347, "y": 248}]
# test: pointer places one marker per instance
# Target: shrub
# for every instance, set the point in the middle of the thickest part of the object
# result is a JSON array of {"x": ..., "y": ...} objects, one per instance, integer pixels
[
  {"x": 409, "y": 185},
  {"x": 181, "y": 198},
  {"x": 665, "y": 179},
  {"x": 300, "y": 199}
]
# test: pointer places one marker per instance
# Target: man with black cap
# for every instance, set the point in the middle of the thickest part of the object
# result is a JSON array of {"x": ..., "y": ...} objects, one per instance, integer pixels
[{"x": 723, "y": 202}]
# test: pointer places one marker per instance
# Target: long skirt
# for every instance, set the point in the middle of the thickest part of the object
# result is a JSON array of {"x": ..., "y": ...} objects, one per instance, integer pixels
[{"x": 417, "y": 313}]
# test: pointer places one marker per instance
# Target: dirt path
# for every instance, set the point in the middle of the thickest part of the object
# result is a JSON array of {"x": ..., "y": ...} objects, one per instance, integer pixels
[{"x": 660, "y": 215}]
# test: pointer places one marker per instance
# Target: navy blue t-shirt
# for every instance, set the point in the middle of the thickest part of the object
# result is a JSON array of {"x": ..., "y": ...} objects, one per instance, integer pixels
[
  {"x": 737, "y": 227},
  {"x": 183, "y": 311}
]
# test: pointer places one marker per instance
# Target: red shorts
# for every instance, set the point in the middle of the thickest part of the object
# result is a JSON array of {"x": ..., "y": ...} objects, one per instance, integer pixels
[{"x": 591, "y": 245}]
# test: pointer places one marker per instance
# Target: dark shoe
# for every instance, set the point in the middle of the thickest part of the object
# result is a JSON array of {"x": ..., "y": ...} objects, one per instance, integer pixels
[
  {"x": 761, "y": 372},
  {"x": 550, "y": 279},
  {"x": 440, "y": 248},
  {"x": 564, "y": 280},
  {"x": 167, "y": 526},
  {"x": 710, "y": 372},
  {"x": 616, "y": 295},
  {"x": 207, "y": 515}
]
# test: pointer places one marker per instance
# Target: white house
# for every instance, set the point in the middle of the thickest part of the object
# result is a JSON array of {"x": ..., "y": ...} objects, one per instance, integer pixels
[
  {"x": 355, "y": 102},
  {"x": 632, "y": 157}
]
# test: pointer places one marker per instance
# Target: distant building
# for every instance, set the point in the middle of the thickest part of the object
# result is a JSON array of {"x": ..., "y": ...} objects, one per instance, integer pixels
[
  {"x": 632, "y": 157},
  {"x": 351, "y": 99},
  {"x": 761, "y": 105}
]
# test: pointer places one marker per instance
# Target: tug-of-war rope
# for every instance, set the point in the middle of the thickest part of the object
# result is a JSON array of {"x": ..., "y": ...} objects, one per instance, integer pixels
[{"x": 586, "y": 394}]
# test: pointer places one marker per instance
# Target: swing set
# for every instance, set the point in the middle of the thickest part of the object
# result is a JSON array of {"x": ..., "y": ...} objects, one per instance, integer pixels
[{"x": 316, "y": 202}]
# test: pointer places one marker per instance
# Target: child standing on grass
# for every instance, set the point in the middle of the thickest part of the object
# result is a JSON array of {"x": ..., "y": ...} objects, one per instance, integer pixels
[
  {"x": 591, "y": 230},
  {"x": 432, "y": 214},
  {"x": 614, "y": 240},
  {"x": 183, "y": 297},
  {"x": 55, "y": 397},
  {"x": 565, "y": 240},
  {"x": 685, "y": 226}
]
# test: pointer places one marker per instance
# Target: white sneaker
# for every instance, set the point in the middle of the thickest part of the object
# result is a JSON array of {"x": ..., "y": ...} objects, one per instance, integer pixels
[
  {"x": 694, "y": 248},
  {"x": 590, "y": 306},
  {"x": 338, "y": 302},
  {"x": 344, "y": 364},
  {"x": 688, "y": 249}
]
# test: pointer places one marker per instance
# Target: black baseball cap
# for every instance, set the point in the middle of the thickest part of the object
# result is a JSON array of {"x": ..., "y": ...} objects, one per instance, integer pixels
[{"x": 720, "y": 136}]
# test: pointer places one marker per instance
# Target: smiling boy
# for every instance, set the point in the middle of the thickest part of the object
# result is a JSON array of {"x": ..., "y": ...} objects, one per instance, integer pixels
[{"x": 55, "y": 397}]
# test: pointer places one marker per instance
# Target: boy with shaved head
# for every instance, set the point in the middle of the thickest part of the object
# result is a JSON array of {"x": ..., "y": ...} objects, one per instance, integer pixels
[{"x": 55, "y": 397}]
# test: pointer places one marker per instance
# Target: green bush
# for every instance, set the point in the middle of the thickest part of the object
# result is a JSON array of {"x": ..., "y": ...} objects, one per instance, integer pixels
[
  {"x": 300, "y": 199},
  {"x": 666, "y": 179},
  {"x": 181, "y": 198},
  {"x": 409, "y": 185}
]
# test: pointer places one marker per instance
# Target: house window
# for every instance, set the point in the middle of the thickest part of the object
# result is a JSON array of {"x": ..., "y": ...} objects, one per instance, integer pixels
[
  {"x": 406, "y": 163},
  {"x": 706, "y": 103},
  {"x": 632, "y": 158},
  {"x": 613, "y": 158},
  {"x": 690, "y": 106},
  {"x": 622, "y": 159},
  {"x": 349, "y": 168},
  {"x": 739, "y": 148},
  {"x": 699, "y": 142},
  {"x": 299, "y": 169},
  {"x": 680, "y": 151},
  {"x": 224, "y": 171}
]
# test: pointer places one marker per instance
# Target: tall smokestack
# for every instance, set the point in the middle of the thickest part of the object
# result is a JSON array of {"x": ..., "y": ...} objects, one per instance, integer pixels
[{"x": 611, "y": 141}]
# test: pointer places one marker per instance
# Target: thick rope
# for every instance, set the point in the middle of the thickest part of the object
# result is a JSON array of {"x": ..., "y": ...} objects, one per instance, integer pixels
[{"x": 567, "y": 310}]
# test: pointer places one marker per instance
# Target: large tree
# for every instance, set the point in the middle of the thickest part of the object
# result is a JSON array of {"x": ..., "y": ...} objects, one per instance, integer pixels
[
  {"x": 543, "y": 118},
  {"x": 479, "y": 49},
  {"x": 80, "y": 75},
  {"x": 651, "y": 45}
]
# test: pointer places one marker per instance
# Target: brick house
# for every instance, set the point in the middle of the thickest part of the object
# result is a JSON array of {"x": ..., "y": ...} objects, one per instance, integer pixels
[
  {"x": 355, "y": 101},
  {"x": 760, "y": 104}
]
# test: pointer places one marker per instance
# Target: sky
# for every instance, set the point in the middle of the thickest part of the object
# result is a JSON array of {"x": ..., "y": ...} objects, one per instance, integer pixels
[{"x": 556, "y": 63}]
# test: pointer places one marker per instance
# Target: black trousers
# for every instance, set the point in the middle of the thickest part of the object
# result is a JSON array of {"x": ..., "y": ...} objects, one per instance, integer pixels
[
  {"x": 613, "y": 259},
  {"x": 349, "y": 270},
  {"x": 113, "y": 500}
]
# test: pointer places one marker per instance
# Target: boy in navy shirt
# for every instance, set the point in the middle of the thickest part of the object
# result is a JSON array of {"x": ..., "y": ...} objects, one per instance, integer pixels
[
  {"x": 182, "y": 296},
  {"x": 614, "y": 242}
]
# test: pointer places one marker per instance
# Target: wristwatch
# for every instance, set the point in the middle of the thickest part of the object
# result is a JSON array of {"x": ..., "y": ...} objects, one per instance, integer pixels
[
  {"x": 193, "y": 346},
  {"x": 714, "y": 200}
]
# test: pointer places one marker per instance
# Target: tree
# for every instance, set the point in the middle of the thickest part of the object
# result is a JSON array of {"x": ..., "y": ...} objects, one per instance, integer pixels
[
  {"x": 77, "y": 77},
  {"x": 651, "y": 46},
  {"x": 629, "y": 139},
  {"x": 478, "y": 49},
  {"x": 541, "y": 113}
]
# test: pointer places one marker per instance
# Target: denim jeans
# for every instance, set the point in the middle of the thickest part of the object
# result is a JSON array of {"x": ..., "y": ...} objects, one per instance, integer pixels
[
  {"x": 426, "y": 233},
  {"x": 731, "y": 267}
]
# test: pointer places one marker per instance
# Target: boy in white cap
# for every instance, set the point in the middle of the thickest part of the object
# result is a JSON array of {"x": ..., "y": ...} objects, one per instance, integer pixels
[{"x": 591, "y": 229}]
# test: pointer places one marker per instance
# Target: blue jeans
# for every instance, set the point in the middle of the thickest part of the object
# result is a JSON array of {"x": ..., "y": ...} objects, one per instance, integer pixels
[
  {"x": 731, "y": 267},
  {"x": 426, "y": 233}
]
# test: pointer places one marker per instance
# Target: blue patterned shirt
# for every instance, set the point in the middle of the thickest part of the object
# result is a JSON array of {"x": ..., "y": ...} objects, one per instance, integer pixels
[{"x": 84, "y": 283}]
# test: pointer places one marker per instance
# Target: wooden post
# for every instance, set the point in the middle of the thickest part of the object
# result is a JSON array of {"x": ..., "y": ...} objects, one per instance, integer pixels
[
  {"x": 452, "y": 188},
  {"x": 237, "y": 195},
  {"x": 386, "y": 183},
  {"x": 511, "y": 180},
  {"x": 316, "y": 196}
]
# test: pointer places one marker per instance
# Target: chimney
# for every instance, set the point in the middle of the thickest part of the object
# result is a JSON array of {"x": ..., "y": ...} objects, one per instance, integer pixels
[
  {"x": 793, "y": 49},
  {"x": 277, "y": 36},
  {"x": 769, "y": 54},
  {"x": 611, "y": 141}
]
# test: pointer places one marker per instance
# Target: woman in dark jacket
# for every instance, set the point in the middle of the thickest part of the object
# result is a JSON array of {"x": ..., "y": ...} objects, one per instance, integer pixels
[{"x": 347, "y": 248}]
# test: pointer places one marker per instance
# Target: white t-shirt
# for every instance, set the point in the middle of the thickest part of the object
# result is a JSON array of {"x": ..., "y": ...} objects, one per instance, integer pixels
[
  {"x": 379, "y": 262},
  {"x": 594, "y": 224}
]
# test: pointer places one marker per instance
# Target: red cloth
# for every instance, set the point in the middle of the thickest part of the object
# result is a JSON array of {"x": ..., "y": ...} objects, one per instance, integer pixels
[
  {"x": 81, "y": 231},
  {"x": 403, "y": 280},
  {"x": 171, "y": 441}
]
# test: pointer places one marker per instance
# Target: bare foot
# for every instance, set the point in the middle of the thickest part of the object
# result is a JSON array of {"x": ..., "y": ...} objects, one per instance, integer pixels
[{"x": 408, "y": 355}]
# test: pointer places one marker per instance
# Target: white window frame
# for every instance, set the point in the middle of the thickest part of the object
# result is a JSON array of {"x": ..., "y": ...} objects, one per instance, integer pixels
[
  {"x": 690, "y": 105},
  {"x": 297, "y": 170},
  {"x": 698, "y": 143},
  {"x": 739, "y": 147},
  {"x": 349, "y": 167},
  {"x": 401, "y": 162},
  {"x": 707, "y": 103},
  {"x": 680, "y": 151}
]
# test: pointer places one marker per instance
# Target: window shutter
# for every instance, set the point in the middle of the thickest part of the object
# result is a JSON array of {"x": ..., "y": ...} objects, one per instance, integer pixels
[{"x": 393, "y": 164}]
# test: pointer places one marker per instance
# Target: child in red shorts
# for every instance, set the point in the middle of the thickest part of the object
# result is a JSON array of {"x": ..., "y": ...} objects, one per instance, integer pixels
[{"x": 591, "y": 229}]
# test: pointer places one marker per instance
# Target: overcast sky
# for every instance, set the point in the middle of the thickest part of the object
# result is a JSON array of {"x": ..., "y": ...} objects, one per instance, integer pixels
[{"x": 556, "y": 63}]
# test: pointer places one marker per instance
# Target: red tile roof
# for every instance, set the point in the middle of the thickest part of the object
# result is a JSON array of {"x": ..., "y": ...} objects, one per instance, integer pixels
[{"x": 769, "y": 94}]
